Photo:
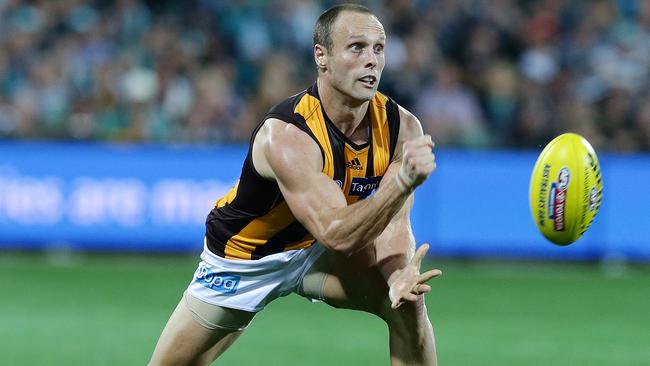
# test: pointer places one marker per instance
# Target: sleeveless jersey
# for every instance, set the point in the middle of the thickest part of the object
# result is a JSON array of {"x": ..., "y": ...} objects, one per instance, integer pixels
[{"x": 253, "y": 220}]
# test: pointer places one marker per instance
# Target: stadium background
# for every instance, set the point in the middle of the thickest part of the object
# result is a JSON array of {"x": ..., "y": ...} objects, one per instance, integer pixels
[{"x": 121, "y": 123}]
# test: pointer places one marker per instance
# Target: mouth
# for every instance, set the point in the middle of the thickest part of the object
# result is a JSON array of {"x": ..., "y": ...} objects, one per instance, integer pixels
[{"x": 369, "y": 81}]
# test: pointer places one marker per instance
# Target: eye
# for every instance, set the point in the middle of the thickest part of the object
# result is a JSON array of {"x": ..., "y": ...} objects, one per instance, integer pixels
[
  {"x": 356, "y": 47},
  {"x": 379, "y": 48}
]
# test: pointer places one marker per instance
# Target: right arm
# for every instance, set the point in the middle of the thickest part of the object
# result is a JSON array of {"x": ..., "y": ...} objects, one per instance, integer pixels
[{"x": 289, "y": 156}]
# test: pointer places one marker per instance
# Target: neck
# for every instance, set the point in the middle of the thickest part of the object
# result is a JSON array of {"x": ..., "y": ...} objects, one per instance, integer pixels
[{"x": 346, "y": 114}]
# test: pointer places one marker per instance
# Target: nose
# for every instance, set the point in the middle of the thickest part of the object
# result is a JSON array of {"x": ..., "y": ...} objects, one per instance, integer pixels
[{"x": 371, "y": 58}]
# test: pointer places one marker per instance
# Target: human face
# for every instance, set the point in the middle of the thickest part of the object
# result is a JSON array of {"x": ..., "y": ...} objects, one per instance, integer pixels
[{"x": 354, "y": 64}]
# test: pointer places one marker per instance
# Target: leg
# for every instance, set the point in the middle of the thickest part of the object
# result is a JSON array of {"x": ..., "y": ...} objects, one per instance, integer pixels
[
  {"x": 356, "y": 283},
  {"x": 188, "y": 337}
]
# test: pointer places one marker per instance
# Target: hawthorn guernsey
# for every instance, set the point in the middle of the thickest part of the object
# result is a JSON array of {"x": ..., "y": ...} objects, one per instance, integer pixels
[{"x": 565, "y": 189}]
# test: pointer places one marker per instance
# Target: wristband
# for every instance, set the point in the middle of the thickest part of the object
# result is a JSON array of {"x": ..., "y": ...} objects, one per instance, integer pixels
[
  {"x": 406, "y": 178},
  {"x": 402, "y": 184}
]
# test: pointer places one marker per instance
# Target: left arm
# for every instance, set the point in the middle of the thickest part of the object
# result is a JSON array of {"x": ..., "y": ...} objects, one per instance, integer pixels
[
  {"x": 395, "y": 246},
  {"x": 395, "y": 249}
]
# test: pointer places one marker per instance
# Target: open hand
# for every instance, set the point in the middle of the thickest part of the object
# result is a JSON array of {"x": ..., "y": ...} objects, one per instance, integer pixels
[{"x": 409, "y": 282}]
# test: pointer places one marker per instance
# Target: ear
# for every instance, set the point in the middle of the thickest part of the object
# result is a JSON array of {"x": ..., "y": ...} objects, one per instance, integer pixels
[{"x": 320, "y": 56}]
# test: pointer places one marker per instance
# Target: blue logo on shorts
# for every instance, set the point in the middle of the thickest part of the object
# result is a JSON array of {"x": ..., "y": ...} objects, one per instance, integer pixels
[{"x": 224, "y": 283}]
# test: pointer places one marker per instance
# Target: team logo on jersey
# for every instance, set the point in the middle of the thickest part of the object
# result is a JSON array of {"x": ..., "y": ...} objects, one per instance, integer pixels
[
  {"x": 557, "y": 198},
  {"x": 224, "y": 283},
  {"x": 363, "y": 187},
  {"x": 354, "y": 164}
]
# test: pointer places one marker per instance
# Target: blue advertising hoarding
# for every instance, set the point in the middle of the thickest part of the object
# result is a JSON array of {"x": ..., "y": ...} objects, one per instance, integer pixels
[
  {"x": 110, "y": 197},
  {"x": 155, "y": 198}
]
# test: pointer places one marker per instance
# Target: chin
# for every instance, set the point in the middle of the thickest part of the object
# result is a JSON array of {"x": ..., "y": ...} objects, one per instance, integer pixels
[
  {"x": 370, "y": 95},
  {"x": 360, "y": 95},
  {"x": 365, "y": 94}
]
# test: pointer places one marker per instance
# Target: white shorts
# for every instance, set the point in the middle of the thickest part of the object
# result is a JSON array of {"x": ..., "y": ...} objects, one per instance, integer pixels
[{"x": 251, "y": 284}]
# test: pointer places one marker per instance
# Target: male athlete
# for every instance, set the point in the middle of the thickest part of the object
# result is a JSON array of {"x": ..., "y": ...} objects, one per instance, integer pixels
[{"x": 302, "y": 217}]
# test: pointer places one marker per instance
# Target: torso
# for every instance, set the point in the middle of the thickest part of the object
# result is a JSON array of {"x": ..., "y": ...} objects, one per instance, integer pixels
[{"x": 253, "y": 220}]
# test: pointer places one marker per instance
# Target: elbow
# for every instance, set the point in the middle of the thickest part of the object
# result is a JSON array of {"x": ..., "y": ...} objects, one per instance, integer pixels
[
  {"x": 345, "y": 246},
  {"x": 335, "y": 238},
  {"x": 334, "y": 245},
  {"x": 330, "y": 243}
]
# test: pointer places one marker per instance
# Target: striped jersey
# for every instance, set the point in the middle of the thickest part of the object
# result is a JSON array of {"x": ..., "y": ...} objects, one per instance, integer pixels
[{"x": 253, "y": 220}]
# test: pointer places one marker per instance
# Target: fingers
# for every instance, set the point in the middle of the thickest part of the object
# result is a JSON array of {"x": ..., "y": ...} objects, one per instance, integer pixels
[
  {"x": 419, "y": 254},
  {"x": 426, "y": 276},
  {"x": 421, "y": 165},
  {"x": 417, "y": 290},
  {"x": 418, "y": 160},
  {"x": 417, "y": 152},
  {"x": 411, "y": 297},
  {"x": 420, "y": 289},
  {"x": 408, "y": 297},
  {"x": 430, "y": 142},
  {"x": 429, "y": 166},
  {"x": 424, "y": 140},
  {"x": 411, "y": 283}
]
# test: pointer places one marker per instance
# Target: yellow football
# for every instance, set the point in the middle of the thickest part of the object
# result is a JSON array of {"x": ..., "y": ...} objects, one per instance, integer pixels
[{"x": 566, "y": 188}]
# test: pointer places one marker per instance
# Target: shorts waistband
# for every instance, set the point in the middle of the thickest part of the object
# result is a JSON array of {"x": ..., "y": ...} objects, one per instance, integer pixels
[{"x": 269, "y": 261}]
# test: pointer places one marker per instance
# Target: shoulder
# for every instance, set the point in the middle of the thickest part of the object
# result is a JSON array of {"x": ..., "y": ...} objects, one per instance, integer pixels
[
  {"x": 409, "y": 129},
  {"x": 410, "y": 126},
  {"x": 280, "y": 133},
  {"x": 292, "y": 109},
  {"x": 285, "y": 109},
  {"x": 280, "y": 145}
]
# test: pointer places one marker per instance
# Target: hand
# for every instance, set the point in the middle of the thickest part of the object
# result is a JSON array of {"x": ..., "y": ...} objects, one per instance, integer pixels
[
  {"x": 418, "y": 161},
  {"x": 408, "y": 282}
]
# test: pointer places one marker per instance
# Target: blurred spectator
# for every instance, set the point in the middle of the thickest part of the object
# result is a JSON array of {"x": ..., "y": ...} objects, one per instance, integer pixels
[
  {"x": 477, "y": 72},
  {"x": 642, "y": 121},
  {"x": 450, "y": 111}
]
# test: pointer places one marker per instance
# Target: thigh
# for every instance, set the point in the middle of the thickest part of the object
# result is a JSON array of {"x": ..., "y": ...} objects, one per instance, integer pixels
[
  {"x": 190, "y": 340},
  {"x": 349, "y": 282}
]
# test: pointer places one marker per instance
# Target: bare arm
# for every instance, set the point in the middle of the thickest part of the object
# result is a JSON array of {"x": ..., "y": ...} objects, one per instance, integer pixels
[
  {"x": 284, "y": 153},
  {"x": 395, "y": 250},
  {"x": 395, "y": 247}
]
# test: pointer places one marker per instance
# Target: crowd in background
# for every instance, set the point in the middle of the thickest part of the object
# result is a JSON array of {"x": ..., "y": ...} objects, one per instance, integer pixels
[{"x": 477, "y": 73}]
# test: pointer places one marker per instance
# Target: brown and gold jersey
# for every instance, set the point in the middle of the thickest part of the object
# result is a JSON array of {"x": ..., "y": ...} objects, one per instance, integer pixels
[{"x": 253, "y": 220}]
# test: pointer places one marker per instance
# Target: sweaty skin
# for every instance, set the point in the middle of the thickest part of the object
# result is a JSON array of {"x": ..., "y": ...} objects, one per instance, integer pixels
[{"x": 372, "y": 264}]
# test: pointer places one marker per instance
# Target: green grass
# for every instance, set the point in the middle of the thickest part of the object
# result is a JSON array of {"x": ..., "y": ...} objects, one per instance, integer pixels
[{"x": 109, "y": 310}]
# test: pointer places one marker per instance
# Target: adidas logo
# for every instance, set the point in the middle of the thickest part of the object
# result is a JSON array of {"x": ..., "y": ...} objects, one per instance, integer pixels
[{"x": 354, "y": 164}]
